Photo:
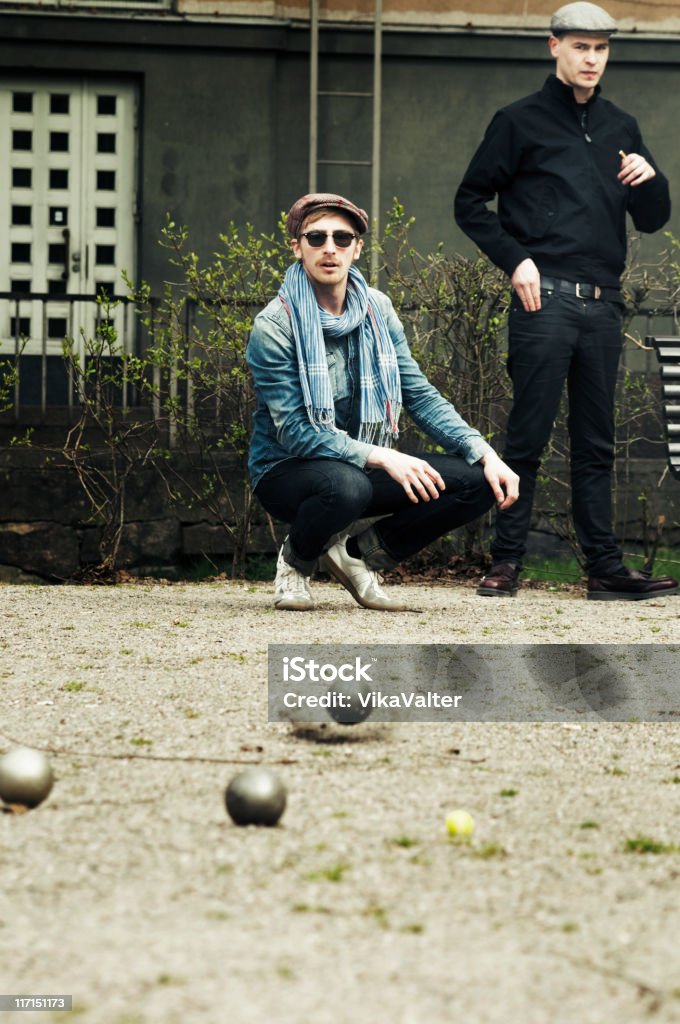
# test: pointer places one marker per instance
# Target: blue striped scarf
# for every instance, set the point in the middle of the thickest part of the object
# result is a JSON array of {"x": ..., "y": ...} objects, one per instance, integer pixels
[{"x": 379, "y": 373}]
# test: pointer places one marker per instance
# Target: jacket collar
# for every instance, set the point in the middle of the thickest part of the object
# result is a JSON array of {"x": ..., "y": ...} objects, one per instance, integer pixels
[{"x": 555, "y": 87}]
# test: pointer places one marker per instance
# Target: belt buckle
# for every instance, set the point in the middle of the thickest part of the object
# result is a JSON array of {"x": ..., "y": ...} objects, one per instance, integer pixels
[{"x": 597, "y": 292}]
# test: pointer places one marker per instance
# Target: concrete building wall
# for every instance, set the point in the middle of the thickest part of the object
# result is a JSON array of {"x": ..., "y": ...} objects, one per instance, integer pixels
[
  {"x": 639, "y": 16},
  {"x": 224, "y": 112}
]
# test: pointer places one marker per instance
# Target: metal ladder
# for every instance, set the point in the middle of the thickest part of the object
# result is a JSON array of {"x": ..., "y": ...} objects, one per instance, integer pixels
[{"x": 376, "y": 96}]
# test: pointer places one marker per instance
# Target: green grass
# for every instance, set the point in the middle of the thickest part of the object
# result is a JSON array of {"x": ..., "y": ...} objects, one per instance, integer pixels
[
  {"x": 405, "y": 842},
  {"x": 332, "y": 874},
  {"x": 645, "y": 844},
  {"x": 567, "y": 570},
  {"x": 262, "y": 568},
  {"x": 259, "y": 568}
]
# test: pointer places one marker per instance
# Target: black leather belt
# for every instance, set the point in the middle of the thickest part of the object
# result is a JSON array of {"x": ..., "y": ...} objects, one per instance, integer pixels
[{"x": 580, "y": 290}]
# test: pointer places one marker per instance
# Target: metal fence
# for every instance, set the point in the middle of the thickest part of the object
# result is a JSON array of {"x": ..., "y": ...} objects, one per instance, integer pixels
[{"x": 34, "y": 327}]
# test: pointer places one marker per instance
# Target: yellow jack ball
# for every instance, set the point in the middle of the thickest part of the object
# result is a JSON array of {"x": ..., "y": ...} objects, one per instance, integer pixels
[{"x": 460, "y": 823}]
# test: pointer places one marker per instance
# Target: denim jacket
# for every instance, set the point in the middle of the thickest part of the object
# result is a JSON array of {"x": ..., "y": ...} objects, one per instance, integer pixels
[{"x": 281, "y": 426}]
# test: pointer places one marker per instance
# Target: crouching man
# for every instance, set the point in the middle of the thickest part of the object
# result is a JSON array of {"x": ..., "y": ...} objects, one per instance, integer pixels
[{"x": 332, "y": 371}]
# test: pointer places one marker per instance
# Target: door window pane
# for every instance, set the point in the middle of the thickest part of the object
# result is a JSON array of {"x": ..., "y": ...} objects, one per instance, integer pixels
[
  {"x": 22, "y": 102},
  {"x": 22, "y": 326},
  {"x": 106, "y": 181},
  {"x": 21, "y": 252},
  {"x": 21, "y": 177},
  {"x": 22, "y": 140},
  {"x": 58, "y": 215},
  {"x": 58, "y": 178},
  {"x": 21, "y": 215},
  {"x": 57, "y": 286},
  {"x": 106, "y": 105},
  {"x": 56, "y": 327},
  {"x": 106, "y": 218},
  {"x": 105, "y": 255},
  {"x": 21, "y": 287},
  {"x": 59, "y": 142},
  {"x": 56, "y": 253},
  {"x": 59, "y": 103},
  {"x": 106, "y": 142}
]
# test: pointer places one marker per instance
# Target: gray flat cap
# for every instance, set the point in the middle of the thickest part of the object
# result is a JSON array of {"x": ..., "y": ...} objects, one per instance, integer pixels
[{"x": 582, "y": 17}]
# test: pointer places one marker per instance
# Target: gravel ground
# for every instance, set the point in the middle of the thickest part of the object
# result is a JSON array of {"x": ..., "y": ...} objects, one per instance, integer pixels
[{"x": 131, "y": 890}]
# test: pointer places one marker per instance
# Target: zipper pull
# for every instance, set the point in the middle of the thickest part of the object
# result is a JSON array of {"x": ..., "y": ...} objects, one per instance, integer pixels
[{"x": 584, "y": 126}]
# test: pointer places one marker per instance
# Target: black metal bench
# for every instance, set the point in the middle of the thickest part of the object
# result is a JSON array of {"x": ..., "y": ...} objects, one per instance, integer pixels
[{"x": 668, "y": 354}]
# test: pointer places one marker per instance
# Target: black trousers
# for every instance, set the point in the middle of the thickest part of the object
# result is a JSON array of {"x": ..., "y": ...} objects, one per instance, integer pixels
[
  {"x": 322, "y": 497},
  {"x": 577, "y": 341}
]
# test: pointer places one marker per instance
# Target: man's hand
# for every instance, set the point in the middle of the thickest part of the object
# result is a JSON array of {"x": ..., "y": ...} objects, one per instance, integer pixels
[
  {"x": 501, "y": 479},
  {"x": 635, "y": 169},
  {"x": 526, "y": 281},
  {"x": 416, "y": 476}
]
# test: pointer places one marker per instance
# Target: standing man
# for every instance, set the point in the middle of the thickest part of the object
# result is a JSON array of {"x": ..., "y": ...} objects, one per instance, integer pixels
[
  {"x": 332, "y": 369},
  {"x": 566, "y": 166}
]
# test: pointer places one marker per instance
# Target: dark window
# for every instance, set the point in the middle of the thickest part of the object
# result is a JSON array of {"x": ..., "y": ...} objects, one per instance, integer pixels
[
  {"x": 21, "y": 177},
  {"x": 106, "y": 142},
  {"x": 22, "y": 102},
  {"x": 58, "y": 215},
  {"x": 21, "y": 215},
  {"x": 106, "y": 181},
  {"x": 105, "y": 255},
  {"x": 106, "y": 105},
  {"x": 23, "y": 325},
  {"x": 57, "y": 286},
  {"x": 105, "y": 289},
  {"x": 58, "y": 178},
  {"x": 106, "y": 218},
  {"x": 59, "y": 142},
  {"x": 56, "y": 253},
  {"x": 55, "y": 377},
  {"x": 21, "y": 252},
  {"x": 56, "y": 327},
  {"x": 22, "y": 140},
  {"x": 59, "y": 102},
  {"x": 20, "y": 287}
]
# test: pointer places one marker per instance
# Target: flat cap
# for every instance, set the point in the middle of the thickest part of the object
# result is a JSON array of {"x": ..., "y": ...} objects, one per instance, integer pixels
[
  {"x": 582, "y": 17},
  {"x": 324, "y": 201}
]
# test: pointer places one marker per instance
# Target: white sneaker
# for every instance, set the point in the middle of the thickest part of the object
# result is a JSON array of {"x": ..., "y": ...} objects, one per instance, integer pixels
[
  {"x": 291, "y": 588},
  {"x": 362, "y": 582}
]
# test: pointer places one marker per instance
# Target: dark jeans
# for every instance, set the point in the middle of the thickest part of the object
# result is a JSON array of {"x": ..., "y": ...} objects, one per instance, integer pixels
[
  {"x": 577, "y": 341},
  {"x": 321, "y": 497}
]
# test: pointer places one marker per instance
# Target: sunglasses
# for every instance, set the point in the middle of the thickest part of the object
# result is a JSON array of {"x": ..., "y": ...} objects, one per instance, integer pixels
[{"x": 343, "y": 239}]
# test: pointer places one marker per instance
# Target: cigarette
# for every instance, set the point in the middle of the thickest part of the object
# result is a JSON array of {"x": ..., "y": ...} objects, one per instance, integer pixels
[{"x": 622, "y": 154}]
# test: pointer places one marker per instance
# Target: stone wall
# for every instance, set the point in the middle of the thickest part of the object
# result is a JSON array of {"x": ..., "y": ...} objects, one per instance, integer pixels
[{"x": 46, "y": 528}]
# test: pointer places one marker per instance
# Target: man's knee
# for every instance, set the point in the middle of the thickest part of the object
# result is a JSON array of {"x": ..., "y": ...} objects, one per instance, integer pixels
[{"x": 351, "y": 489}]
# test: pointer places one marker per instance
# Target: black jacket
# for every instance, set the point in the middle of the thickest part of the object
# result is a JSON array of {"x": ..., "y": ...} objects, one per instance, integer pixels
[{"x": 553, "y": 164}]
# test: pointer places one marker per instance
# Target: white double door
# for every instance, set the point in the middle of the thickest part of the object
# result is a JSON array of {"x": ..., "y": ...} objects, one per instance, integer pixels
[{"x": 68, "y": 169}]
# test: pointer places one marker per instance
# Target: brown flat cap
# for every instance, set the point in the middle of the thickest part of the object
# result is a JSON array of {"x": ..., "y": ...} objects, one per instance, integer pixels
[{"x": 324, "y": 201}]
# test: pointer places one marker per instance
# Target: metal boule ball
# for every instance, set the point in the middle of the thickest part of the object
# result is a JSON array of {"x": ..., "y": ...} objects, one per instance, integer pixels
[
  {"x": 25, "y": 777},
  {"x": 255, "y": 796},
  {"x": 349, "y": 702}
]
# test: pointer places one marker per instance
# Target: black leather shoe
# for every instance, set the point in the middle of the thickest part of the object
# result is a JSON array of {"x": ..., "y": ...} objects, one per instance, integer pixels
[
  {"x": 501, "y": 580},
  {"x": 630, "y": 585}
]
